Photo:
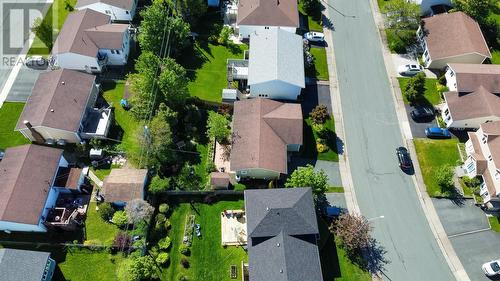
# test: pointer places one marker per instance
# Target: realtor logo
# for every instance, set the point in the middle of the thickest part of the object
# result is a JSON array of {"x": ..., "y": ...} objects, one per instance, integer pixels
[{"x": 17, "y": 19}]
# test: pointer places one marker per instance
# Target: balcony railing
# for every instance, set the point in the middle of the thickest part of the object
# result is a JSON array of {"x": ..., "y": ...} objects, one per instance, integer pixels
[{"x": 97, "y": 123}]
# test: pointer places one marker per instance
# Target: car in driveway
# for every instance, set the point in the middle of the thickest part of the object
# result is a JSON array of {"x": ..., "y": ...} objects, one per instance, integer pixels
[
  {"x": 36, "y": 62},
  {"x": 403, "y": 158},
  {"x": 410, "y": 69},
  {"x": 437, "y": 133},
  {"x": 422, "y": 114},
  {"x": 491, "y": 268},
  {"x": 314, "y": 37}
]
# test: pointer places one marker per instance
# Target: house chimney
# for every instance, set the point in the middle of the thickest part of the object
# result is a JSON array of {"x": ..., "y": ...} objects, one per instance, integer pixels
[{"x": 38, "y": 137}]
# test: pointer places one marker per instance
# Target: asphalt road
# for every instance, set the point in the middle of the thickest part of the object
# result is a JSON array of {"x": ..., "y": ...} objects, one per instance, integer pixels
[{"x": 372, "y": 135}]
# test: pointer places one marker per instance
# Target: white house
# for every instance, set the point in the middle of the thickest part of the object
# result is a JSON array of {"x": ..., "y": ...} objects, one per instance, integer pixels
[
  {"x": 33, "y": 177},
  {"x": 264, "y": 132},
  {"x": 118, "y": 10},
  {"x": 276, "y": 65},
  {"x": 89, "y": 42},
  {"x": 257, "y": 15},
  {"x": 452, "y": 38},
  {"x": 466, "y": 78},
  {"x": 426, "y": 6},
  {"x": 62, "y": 108},
  {"x": 483, "y": 159}
]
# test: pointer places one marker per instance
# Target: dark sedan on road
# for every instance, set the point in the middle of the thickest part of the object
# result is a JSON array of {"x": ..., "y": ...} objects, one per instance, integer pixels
[
  {"x": 422, "y": 114},
  {"x": 437, "y": 133},
  {"x": 404, "y": 158}
]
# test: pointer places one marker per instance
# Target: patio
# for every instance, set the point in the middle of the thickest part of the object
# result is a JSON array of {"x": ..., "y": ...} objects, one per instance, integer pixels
[
  {"x": 221, "y": 158},
  {"x": 233, "y": 228}
]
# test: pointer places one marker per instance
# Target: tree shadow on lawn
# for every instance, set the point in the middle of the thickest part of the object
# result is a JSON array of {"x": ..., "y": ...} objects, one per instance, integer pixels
[{"x": 192, "y": 58}]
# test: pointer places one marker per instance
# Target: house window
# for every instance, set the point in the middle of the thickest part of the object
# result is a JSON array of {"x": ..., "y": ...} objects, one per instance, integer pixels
[
  {"x": 470, "y": 167},
  {"x": 117, "y": 52},
  {"x": 93, "y": 67},
  {"x": 113, "y": 51},
  {"x": 484, "y": 139},
  {"x": 490, "y": 158},
  {"x": 127, "y": 12},
  {"x": 497, "y": 175},
  {"x": 447, "y": 112},
  {"x": 267, "y": 27},
  {"x": 108, "y": 12},
  {"x": 452, "y": 73}
]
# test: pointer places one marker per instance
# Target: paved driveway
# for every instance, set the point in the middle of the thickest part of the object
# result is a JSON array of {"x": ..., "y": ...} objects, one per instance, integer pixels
[
  {"x": 21, "y": 89},
  {"x": 315, "y": 94},
  {"x": 330, "y": 168},
  {"x": 372, "y": 134},
  {"x": 403, "y": 59},
  {"x": 418, "y": 128},
  {"x": 460, "y": 217}
]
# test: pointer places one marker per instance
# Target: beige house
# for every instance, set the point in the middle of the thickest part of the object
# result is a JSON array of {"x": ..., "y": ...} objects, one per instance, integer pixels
[
  {"x": 264, "y": 132},
  {"x": 62, "y": 108},
  {"x": 483, "y": 159},
  {"x": 452, "y": 38}
]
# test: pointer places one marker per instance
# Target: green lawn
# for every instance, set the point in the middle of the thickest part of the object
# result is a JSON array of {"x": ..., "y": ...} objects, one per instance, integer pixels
[
  {"x": 9, "y": 114},
  {"x": 84, "y": 265},
  {"x": 495, "y": 223},
  {"x": 55, "y": 17},
  {"x": 433, "y": 154},
  {"x": 335, "y": 189},
  {"x": 431, "y": 95},
  {"x": 310, "y": 136},
  {"x": 128, "y": 129},
  {"x": 201, "y": 168},
  {"x": 206, "y": 66},
  {"x": 98, "y": 230},
  {"x": 209, "y": 260},
  {"x": 313, "y": 21},
  {"x": 495, "y": 59},
  {"x": 320, "y": 68}
]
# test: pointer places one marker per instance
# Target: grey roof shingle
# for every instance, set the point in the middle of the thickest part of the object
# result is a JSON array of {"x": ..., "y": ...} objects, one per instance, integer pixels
[
  {"x": 276, "y": 54},
  {"x": 282, "y": 229},
  {"x": 17, "y": 265}
]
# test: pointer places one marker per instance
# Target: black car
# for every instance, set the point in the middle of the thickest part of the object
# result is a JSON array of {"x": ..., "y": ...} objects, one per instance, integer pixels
[
  {"x": 403, "y": 158},
  {"x": 422, "y": 114}
]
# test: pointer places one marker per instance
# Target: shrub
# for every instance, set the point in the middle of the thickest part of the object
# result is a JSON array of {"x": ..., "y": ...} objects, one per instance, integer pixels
[
  {"x": 164, "y": 243},
  {"x": 211, "y": 167},
  {"x": 164, "y": 208},
  {"x": 311, "y": 7},
  {"x": 120, "y": 218},
  {"x": 321, "y": 146},
  {"x": 185, "y": 263},
  {"x": 184, "y": 249},
  {"x": 106, "y": 211},
  {"x": 353, "y": 231},
  {"x": 224, "y": 34},
  {"x": 319, "y": 114},
  {"x": 122, "y": 241},
  {"x": 444, "y": 177},
  {"x": 162, "y": 258},
  {"x": 167, "y": 224}
]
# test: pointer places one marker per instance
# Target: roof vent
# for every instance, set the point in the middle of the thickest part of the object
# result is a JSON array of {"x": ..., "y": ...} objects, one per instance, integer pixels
[
  {"x": 64, "y": 83},
  {"x": 267, "y": 208},
  {"x": 277, "y": 244},
  {"x": 51, "y": 110},
  {"x": 281, "y": 270}
]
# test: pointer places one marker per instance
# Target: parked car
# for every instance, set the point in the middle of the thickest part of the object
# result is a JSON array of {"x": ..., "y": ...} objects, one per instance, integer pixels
[
  {"x": 36, "y": 62},
  {"x": 437, "y": 133},
  {"x": 403, "y": 158},
  {"x": 491, "y": 268},
  {"x": 410, "y": 69},
  {"x": 314, "y": 36},
  {"x": 422, "y": 114}
]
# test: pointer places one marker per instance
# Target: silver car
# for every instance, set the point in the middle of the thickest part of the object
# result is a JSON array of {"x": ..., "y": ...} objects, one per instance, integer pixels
[
  {"x": 410, "y": 69},
  {"x": 314, "y": 36},
  {"x": 491, "y": 268}
]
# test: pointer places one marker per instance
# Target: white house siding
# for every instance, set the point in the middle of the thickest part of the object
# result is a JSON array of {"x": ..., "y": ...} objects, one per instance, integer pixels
[
  {"x": 116, "y": 14},
  {"x": 245, "y": 31},
  {"x": 258, "y": 174},
  {"x": 118, "y": 59},
  {"x": 468, "y": 123},
  {"x": 425, "y": 5},
  {"x": 77, "y": 62},
  {"x": 51, "y": 133},
  {"x": 275, "y": 90},
  {"x": 451, "y": 80},
  {"x": 473, "y": 58}
]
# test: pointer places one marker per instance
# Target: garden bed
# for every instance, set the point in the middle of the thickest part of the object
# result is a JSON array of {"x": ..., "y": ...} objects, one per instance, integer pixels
[{"x": 311, "y": 137}]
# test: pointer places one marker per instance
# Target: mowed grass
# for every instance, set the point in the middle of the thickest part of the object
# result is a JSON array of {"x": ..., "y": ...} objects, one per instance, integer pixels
[
  {"x": 206, "y": 67},
  {"x": 85, "y": 265},
  {"x": 495, "y": 223},
  {"x": 320, "y": 69},
  {"x": 433, "y": 154},
  {"x": 129, "y": 128},
  {"x": 209, "y": 261},
  {"x": 98, "y": 230},
  {"x": 431, "y": 95},
  {"x": 313, "y": 21},
  {"x": 9, "y": 114},
  {"x": 309, "y": 149},
  {"x": 55, "y": 17}
]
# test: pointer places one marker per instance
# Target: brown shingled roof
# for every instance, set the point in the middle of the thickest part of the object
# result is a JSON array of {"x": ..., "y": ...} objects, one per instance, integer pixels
[
  {"x": 86, "y": 31},
  {"x": 124, "y": 4},
  {"x": 481, "y": 163},
  {"x": 479, "y": 103},
  {"x": 262, "y": 129},
  {"x": 471, "y": 76},
  {"x": 268, "y": 12},
  {"x": 219, "y": 179},
  {"x": 124, "y": 185},
  {"x": 26, "y": 174},
  {"x": 58, "y": 100},
  {"x": 454, "y": 34}
]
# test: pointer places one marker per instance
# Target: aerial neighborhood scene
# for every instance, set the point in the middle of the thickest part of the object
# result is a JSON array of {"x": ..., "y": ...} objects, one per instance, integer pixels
[{"x": 252, "y": 140}]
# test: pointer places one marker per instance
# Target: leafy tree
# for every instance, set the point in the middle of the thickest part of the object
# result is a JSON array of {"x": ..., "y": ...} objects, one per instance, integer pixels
[
  {"x": 192, "y": 10},
  {"x": 157, "y": 24},
  {"x": 403, "y": 15},
  {"x": 43, "y": 30},
  {"x": 218, "y": 126},
  {"x": 122, "y": 241},
  {"x": 138, "y": 210},
  {"x": 311, "y": 7},
  {"x": 319, "y": 114},
  {"x": 162, "y": 258},
  {"x": 415, "y": 88},
  {"x": 165, "y": 243},
  {"x": 164, "y": 208},
  {"x": 106, "y": 211},
  {"x": 444, "y": 177},
  {"x": 476, "y": 9},
  {"x": 307, "y": 177},
  {"x": 120, "y": 218},
  {"x": 143, "y": 268},
  {"x": 354, "y": 232},
  {"x": 187, "y": 179},
  {"x": 224, "y": 34},
  {"x": 173, "y": 83},
  {"x": 158, "y": 184}
]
